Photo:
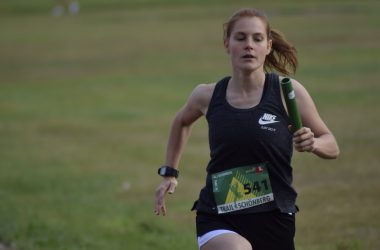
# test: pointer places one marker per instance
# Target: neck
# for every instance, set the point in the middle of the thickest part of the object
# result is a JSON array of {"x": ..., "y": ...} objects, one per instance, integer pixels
[{"x": 246, "y": 82}]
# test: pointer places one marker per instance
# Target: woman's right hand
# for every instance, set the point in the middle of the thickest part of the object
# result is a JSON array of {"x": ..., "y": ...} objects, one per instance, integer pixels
[{"x": 167, "y": 185}]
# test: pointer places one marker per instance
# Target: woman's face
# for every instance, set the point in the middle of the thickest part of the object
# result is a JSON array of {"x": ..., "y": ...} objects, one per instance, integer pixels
[{"x": 248, "y": 44}]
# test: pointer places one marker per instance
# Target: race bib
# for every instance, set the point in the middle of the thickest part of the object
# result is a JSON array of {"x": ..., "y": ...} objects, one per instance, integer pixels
[{"x": 241, "y": 188}]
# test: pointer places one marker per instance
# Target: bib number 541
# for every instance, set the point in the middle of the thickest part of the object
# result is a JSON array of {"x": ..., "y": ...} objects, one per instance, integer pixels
[{"x": 255, "y": 187}]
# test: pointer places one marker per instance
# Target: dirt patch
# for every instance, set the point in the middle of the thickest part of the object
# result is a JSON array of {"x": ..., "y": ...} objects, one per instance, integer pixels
[{"x": 4, "y": 246}]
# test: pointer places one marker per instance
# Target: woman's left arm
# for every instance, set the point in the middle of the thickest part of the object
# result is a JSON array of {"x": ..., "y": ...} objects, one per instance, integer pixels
[{"x": 315, "y": 136}]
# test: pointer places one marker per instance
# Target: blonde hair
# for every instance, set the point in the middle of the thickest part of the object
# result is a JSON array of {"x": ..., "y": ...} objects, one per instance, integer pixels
[{"x": 283, "y": 56}]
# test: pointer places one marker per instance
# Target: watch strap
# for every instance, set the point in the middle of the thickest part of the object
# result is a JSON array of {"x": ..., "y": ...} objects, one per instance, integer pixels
[{"x": 167, "y": 171}]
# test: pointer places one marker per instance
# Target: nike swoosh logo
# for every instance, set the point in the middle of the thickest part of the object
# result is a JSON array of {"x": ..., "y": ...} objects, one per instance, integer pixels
[{"x": 265, "y": 122}]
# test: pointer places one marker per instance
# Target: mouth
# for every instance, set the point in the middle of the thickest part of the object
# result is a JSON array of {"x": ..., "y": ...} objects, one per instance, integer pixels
[{"x": 248, "y": 56}]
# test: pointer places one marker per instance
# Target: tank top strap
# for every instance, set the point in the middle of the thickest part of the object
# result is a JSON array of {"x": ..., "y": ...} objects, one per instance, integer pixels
[
  {"x": 272, "y": 89},
  {"x": 219, "y": 94}
]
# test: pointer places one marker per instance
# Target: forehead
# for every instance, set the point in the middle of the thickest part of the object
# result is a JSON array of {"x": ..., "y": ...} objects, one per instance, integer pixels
[{"x": 249, "y": 25}]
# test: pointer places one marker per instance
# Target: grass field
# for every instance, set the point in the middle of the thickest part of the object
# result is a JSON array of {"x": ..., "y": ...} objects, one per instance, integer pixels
[{"x": 86, "y": 104}]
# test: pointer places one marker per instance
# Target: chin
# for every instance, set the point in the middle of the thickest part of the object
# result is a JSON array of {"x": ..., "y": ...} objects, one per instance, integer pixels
[{"x": 248, "y": 68}]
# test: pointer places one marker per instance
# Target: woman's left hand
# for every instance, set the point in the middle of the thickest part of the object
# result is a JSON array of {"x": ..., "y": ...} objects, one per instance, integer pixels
[{"x": 304, "y": 140}]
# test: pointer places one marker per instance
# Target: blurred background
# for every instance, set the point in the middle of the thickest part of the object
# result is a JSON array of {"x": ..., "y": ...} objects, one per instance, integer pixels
[{"x": 88, "y": 91}]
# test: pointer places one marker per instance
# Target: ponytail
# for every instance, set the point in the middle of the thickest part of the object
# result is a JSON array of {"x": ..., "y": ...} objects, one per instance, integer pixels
[{"x": 283, "y": 56}]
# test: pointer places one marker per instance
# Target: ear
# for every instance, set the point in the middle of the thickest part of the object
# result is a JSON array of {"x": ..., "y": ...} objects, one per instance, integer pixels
[
  {"x": 226, "y": 45},
  {"x": 269, "y": 46}
]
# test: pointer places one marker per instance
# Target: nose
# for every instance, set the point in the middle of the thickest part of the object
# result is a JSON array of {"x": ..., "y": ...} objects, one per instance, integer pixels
[{"x": 249, "y": 44}]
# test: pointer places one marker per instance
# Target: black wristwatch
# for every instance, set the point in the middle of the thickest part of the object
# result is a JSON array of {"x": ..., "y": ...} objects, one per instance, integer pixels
[{"x": 167, "y": 171}]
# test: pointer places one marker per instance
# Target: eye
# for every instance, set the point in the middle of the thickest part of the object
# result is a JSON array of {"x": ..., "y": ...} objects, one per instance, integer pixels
[
  {"x": 240, "y": 37},
  {"x": 258, "y": 38}
]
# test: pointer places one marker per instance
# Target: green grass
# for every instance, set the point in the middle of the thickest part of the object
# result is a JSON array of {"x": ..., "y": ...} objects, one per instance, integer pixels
[{"x": 86, "y": 104}]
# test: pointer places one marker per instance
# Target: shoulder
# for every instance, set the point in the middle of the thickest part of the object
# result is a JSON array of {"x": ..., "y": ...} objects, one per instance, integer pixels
[
  {"x": 299, "y": 89},
  {"x": 203, "y": 91},
  {"x": 201, "y": 96},
  {"x": 305, "y": 104}
]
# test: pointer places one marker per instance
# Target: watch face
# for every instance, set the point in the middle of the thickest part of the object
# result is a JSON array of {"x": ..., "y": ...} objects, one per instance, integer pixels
[{"x": 162, "y": 171}]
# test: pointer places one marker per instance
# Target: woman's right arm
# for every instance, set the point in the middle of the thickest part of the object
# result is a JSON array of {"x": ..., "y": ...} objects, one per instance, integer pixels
[{"x": 195, "y": 107}]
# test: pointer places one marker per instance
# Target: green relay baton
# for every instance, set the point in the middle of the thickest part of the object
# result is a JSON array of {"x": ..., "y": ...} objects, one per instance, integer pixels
[{"x": 291, "y": 104}]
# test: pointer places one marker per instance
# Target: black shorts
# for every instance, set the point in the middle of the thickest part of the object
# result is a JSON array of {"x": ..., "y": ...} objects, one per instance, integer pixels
[{"x": 265, "y": 231}]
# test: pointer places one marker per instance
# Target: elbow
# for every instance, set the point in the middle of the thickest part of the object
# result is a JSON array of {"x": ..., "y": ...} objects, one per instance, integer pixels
[
  {"x": 329, "y": 153},
  {"x": 332, "y": 155},
  {"x": 335, "y": 154},
  {"x": 327, "y": 149}
]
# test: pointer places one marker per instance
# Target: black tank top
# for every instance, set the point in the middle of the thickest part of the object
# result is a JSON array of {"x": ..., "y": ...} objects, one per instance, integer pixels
[{"x": 255, "y": 135}]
